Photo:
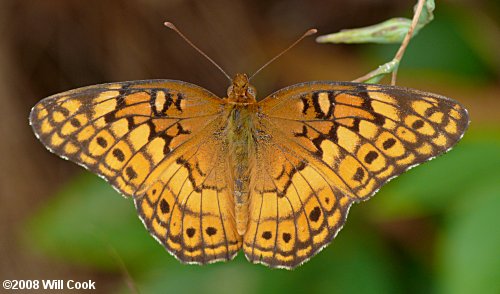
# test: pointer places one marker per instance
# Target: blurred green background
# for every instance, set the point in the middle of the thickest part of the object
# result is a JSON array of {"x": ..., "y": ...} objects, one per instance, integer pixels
[{"x": 434, "y": 229}]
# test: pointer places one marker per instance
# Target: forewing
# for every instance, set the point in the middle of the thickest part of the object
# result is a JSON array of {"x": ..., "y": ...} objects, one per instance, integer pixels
[
  {"x": 365, "y": 133},
  {"x": 123, "y": 131}
]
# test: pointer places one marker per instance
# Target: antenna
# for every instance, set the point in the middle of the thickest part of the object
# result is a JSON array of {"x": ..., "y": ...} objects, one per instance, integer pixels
[
  {"x": 172, "y": 27},
  {"x": 306, "y": 34}
]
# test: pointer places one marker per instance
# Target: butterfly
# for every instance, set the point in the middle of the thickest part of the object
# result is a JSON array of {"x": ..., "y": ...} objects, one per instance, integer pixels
[{"x": 210, "y": 176}]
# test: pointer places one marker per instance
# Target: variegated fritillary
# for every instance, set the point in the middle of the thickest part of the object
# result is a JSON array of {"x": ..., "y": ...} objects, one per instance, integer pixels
[{"x": 276, "y": 177}]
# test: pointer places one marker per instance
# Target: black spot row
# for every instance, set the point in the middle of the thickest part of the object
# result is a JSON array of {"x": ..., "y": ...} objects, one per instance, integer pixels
[
  {"x": 359, "y": 175},
  {"x": 389, "y": 143},
  {"x": 211, "y": 231},
  {"x": 102, "y": 142},
  {"x": 430, "y": 111},
  {"x": 268, "y": 235},
  {"x": 315, "y": 214},
  {"x": 191, "y": 231},
  {"x": 75, "y": 122},
  {"x": 118, "y": 154},
  {"x": 164, "y": 206},
  {"x": 371, "y": 156},
  {"x": 417, "y": 124},
  {"x": 131, "y": 173}
]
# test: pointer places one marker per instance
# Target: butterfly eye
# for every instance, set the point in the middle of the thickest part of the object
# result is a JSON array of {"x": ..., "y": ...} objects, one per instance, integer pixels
[
  {"x": 251, "y": 91},
  {"x": 230, "y": 90}
]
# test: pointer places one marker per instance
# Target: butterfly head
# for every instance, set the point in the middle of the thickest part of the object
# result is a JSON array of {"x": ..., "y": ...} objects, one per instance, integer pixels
[{"x": 240, "y": 90}]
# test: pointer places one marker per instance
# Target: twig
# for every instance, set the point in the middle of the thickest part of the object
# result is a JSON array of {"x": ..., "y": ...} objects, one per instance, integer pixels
[{"x": 406, "y": 40}]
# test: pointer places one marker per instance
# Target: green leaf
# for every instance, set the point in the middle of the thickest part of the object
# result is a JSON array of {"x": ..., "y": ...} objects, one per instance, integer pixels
[
  {"x": 221, "y": 278},
  {"x": 391, "y": 31},
  {"x": 91, "y": 224},
  {"x": 469, "y": 249},
  {"x": 445, "y": 47},
  {"x": 426, "y": 16},
  {"x": 356, "y": 262}
]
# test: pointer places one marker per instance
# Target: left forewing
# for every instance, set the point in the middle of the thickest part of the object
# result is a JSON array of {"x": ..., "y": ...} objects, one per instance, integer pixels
[{"x": 367, "y": 134}]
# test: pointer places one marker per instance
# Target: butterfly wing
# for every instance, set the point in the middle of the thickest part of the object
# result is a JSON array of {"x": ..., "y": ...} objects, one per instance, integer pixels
[
  {"x": 146, "y": 139},
  {"x": 328, "y": 145}
]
